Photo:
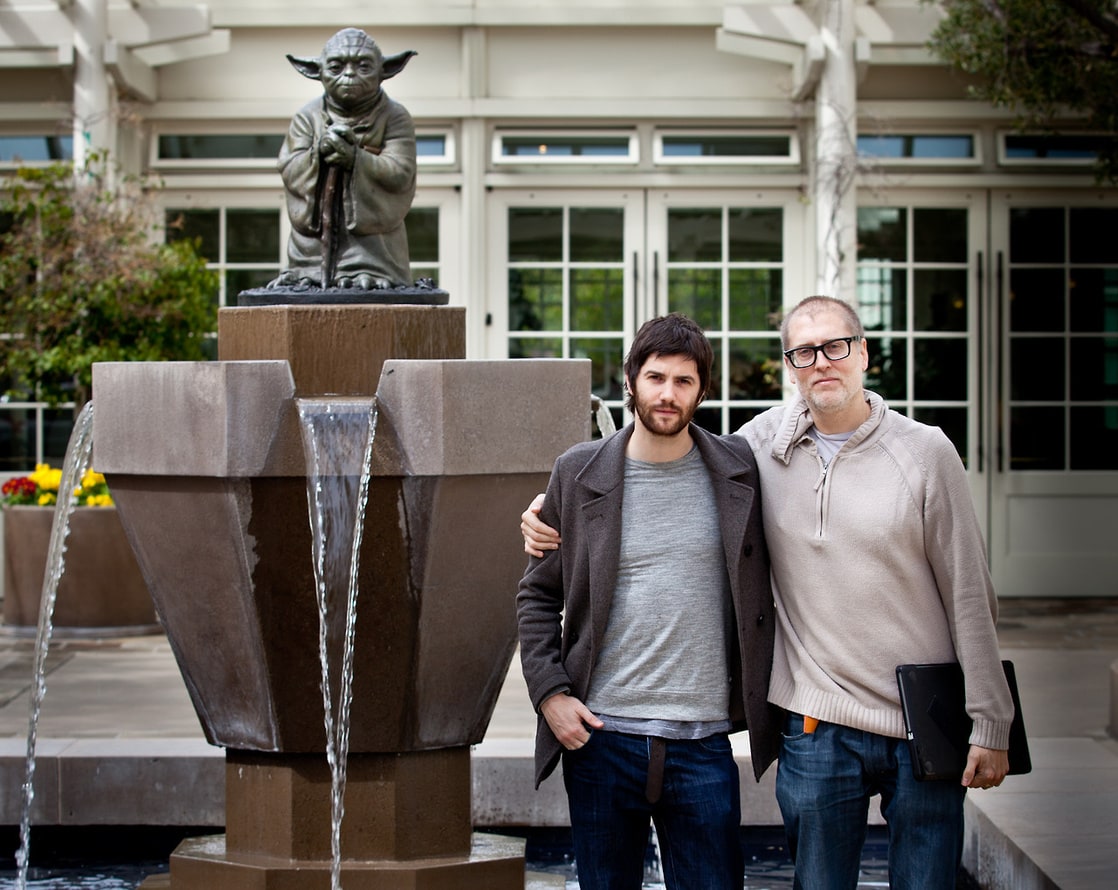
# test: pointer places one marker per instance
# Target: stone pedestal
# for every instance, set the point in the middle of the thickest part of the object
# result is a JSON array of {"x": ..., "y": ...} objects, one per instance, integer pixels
[
  {"x": 339, "y": 350},
  {"x": 102, "y": 591},
  {"x": 407, "y": 825}
]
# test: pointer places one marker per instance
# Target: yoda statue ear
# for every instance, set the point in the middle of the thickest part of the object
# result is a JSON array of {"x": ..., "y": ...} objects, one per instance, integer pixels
[
  {"x": 311, "y": 68},
  {"x": 393, "y": 65}
]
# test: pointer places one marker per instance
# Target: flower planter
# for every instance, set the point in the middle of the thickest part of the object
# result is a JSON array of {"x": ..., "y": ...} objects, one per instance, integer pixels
[{"x": 101, "y": 592}]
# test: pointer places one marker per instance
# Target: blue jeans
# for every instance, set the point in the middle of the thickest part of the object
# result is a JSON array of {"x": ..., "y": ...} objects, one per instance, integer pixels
[
  {"x": 697, "y": 817},
  {"x": 824, "y": 781}
]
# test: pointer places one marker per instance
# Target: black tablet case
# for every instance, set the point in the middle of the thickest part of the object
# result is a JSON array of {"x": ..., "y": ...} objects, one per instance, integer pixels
[{"x": 935, "y": 715}]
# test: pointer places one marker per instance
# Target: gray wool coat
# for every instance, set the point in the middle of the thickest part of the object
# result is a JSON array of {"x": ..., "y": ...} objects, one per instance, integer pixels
[{"x": 564, "y": 599}]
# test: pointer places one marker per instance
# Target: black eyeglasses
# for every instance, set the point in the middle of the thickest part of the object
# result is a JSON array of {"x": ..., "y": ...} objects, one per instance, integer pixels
[{"x": 834, "y": 350}]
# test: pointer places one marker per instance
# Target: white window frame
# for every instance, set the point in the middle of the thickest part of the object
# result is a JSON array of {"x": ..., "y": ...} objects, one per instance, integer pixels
[
  {"x": 632, "y": 158},
  {"x": 1005, "y": 161},
  {"x": 975, "y": 160},
  {"x": 790, "y": 159},
  {"x": 29, "y": 133}
]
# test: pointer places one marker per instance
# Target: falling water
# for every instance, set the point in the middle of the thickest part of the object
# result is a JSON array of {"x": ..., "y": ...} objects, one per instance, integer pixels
[
  {"x": 338, "y": 444},
  {"x": 602, "y": 416},
  {"x": 78, "y": 455}
]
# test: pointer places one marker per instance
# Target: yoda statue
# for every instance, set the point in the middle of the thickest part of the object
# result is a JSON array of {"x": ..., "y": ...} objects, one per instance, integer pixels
[{"x": 348, "y": 167}]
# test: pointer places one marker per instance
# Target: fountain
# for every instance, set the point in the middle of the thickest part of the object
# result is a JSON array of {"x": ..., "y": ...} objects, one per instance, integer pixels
[{"x": 206, "y": 466}]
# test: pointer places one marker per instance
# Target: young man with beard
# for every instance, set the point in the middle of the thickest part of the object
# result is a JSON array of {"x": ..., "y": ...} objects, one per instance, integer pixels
[
  {"x": 648, "y": 636},
  {"x": 877, "y": 560}
]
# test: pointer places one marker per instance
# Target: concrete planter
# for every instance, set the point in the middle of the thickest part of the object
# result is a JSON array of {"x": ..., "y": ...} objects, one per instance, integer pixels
[{"x": 101, "y": 592}]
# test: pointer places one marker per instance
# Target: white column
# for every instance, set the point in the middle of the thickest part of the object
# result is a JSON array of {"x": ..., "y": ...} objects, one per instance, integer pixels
[
  {"x": 93, "y": 89},
  {"x": 835, "y": 197}
]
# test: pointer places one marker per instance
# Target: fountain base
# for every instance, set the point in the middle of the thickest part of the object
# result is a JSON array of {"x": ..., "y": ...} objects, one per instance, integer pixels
[
  {"x": 407, "y": 825},
  {"x": 493, "y": 863}
]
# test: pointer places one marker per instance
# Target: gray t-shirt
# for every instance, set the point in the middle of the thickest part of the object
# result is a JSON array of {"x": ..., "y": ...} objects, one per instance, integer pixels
[{"x": 664, "y": 657}]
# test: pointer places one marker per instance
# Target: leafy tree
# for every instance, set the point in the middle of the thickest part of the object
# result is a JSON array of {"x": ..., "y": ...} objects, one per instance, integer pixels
[
  {"x": 82, "y": 281},
  {"x": 1042, "y": 59}
]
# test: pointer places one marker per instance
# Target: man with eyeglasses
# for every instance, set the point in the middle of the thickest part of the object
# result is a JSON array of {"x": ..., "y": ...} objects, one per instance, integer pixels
[{"x": 877, "y": 560}]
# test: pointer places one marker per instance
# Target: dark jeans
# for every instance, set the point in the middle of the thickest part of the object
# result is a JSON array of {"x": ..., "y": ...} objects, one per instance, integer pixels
[
  {"x": 697, "y": 816},
  {"x": 824, "y": 782}
]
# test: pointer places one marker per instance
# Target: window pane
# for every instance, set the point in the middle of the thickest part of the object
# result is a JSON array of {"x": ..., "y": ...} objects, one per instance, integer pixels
[
  {"x": 940, "y": 369},
  {"x": 882, "y": 294},
  {"x": 710, "y": 419},
  {"x": 1093, "y": 232},
  {"x": 17, "y": 439},
  {"x": 237, "y": 280},
  {"x": 535, "y": 300},
  {"x": 422, "y": 224},
  {"x": 565, "y": 146},
  {"x": 939, "y": 234},
  {"x": 1036, "y": 300},
  {"x": 535, "y": 347},
  {"x": 953, "y": 422},
  {"x": 881, "y": 233},
  {"x": 1093, "y": 295},
  {"x": 754, "y": 369},
  {"x": 695, "y": 235},
  {"x": 888, "y": 366},
  {"x": 1036, "y": 439},
  {"x": 756, "y": 297},
  {"x": 606, "y": 364},
  {"x": 202, "y": 224},
  {"x": 20, "y": 149},
  {"x": 252, "y": 236},
  {"x": 597, "y": 234},
  {"x": 940, "y": 299},
  {"x": 1094, "y": 438},
  {"x": 1036, "y": 369},
  {"x": 1094, "y": 369},
  {"x": 596, "y": 299},
  {"x": 697, "y": 293},
  {"x": 58, "y": 424},
  {"x": 756, "y": 234},
  {"x": 912, "y": 146},
  {"x": 1052, "y": 147},
  {"x": 737, "y": 146},
  {"x": 216, "y": 146},
  {"x": 535, "y": 234},
  {"x": 1036, "y": 235},
  {"x": 430, "y": 146}
]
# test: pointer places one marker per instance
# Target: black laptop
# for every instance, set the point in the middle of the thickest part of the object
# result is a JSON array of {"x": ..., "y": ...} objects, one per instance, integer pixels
[{"x": 938, "y": 725}]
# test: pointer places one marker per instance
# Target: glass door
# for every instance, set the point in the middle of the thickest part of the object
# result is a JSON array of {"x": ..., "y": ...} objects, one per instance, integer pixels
[
  {"x": 580, "y": 272},
  {"x": 568, "y": 280},
  {"x": 726, "y": 260},
  {"x": 1054, "y": 492},
  {"x": 920, "y": 296}
]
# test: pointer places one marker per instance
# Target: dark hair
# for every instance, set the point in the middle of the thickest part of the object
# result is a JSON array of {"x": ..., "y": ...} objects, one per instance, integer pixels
[
  {"x": 672, "y": 334},
  {"x": 819, "y": 303}
]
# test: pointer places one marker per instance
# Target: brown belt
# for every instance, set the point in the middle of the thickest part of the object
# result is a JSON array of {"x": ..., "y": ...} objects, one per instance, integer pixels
[{"x": 657, "y": 749}]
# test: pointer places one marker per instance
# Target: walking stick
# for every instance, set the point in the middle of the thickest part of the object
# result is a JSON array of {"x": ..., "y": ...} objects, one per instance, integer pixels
[{"x": 329, "y": 212}]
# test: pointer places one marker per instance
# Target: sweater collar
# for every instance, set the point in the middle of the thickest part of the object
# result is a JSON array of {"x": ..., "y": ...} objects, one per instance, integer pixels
[{"x": 797, "y": 421}]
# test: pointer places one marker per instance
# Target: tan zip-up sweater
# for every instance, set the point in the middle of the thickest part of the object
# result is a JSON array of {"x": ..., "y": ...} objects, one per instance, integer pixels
[{"x": 877, "y": 560}]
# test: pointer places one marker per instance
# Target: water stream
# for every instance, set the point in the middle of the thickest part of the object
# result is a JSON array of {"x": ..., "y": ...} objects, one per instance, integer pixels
[
  {"x": 79, "y": 453},
  {"x": 338, "y": 443}
]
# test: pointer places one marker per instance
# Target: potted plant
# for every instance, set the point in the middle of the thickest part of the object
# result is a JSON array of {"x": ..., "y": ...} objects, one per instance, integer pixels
[
  {"x": 102, "y": 590},
  {"x": 84, "y": 277}
]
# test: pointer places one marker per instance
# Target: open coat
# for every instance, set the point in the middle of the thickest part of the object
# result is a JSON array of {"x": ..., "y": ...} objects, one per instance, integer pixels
[{"x": 564, "y": 600}]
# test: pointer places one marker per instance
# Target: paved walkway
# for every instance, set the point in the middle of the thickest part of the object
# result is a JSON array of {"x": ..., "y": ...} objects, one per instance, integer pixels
[{"x": 119, "y": 743}]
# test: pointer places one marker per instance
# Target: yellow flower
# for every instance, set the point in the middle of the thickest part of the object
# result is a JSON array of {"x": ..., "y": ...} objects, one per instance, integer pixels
[
  {"x": 46, "y": 477},
  {"x": 46, "y": 499},
  {"x": 91, "y": 479}
]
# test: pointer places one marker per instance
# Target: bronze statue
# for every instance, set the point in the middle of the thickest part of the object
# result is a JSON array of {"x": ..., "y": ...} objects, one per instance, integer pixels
[{"x": 348, "y": 167}]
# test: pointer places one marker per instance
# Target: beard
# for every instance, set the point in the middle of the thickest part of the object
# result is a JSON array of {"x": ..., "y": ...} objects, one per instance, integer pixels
[{"x": 663, "y": 426}]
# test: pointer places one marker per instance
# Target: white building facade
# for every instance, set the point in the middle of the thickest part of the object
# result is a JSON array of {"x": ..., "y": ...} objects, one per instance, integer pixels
[{"x": 588, "y": 164}]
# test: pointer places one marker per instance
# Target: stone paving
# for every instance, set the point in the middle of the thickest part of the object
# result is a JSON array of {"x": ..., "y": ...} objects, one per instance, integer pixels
[{"x": 119, "y": 743}]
